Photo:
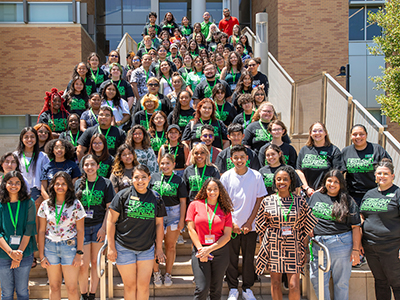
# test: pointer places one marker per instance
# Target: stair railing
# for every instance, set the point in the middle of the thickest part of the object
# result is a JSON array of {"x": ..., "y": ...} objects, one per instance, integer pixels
[
  {"x": 321, "y": 268},
  {"x": 101, "y": 272}
]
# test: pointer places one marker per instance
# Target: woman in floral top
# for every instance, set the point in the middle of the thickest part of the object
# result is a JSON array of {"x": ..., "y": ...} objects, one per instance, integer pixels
[{"x": 61, "y": 234}]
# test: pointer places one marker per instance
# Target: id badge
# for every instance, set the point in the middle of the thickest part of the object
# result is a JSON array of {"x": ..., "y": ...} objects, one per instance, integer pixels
[
  {"x": 15, "y": 239},
  {"x": 209, "y": 238},
  {"x": 89, "y": 214},
  {"x": 286, "y": 230},
  {"x": 233, "y": 86}
]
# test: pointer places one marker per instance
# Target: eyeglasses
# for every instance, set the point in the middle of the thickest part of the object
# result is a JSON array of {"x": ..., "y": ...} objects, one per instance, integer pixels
[
  {"x": 259, "y": 95},
  {"x": 318, "y": 131},
  {"x": 276, "y": 130},
  {"x": 252, "y": 65},
  {"x": 210, "y": 136},
  {"x": 136, "y": 60},
  {"x": 97, "y": 144},
  {"x": 153, "y": 84}
]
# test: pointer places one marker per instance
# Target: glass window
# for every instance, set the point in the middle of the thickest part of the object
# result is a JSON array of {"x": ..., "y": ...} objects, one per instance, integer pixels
[
  {"x": 135, "y": 31},
  {"x": 13, "y": 124},
  {"x": 108, "y": 37},
  {"x": 49, "y": 12},
  {"x": 178, "y": 8},
  {"x": 372, "y": 29},
  {"x": 109, "y": 12},
  {"x": 356, "y": 23},
  {"x": 214, "y": 7},
  {"x": 135, "y": 11},
  {"x": 11, "y": 12}
]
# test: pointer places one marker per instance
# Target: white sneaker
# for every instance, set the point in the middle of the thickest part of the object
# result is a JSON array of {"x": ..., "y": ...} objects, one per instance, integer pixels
[
  {"x": 157, "y": 279},
  {"x": 233, "y": 294},
  {"x": 167, "y": 279},
  {"x": 180, "y": 240},
  {"x": 248, "y": 295}
]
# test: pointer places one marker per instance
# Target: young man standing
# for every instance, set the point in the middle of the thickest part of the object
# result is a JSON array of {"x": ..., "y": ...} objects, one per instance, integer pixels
[
  {"x": 246, "y": 189},
  {"x": 140, "y": 76},
  {"x": 227, "y": 23},
  {"x": 205, "y": 25}
]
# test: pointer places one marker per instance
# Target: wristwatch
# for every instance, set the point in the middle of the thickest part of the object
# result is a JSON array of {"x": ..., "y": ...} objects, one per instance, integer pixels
[{"x": 80, "y": 252}]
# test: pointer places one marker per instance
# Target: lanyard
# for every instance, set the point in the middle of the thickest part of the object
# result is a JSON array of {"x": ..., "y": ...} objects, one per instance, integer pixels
[
  {"x": 95, "y": 77},
  {"x": 176, "y": 150},
  {"x": 162, "y": 180},
  {"x": 94, "y": 116},
  {"x": 211, "y": 152},
  {"x": 215, "y": 81},
  {"x": 146, "y": 73},
  {"x": 197, "y": 77},
  {"x": 158, "y": 142},
  {"x": 90, "y": 197},
  {"x": 75, "y": 143},
  {"x": 119, "y": 81},
  {"x": 199, "y": 183},
  {"x": 27, "y": 164},
  {"x": 107, "y": 131},
  {"x": 209, "y": 121},
  {"x": 263, "y": 129},
  {"x": 221, "y": 111},
  {"x": 208, "y": 216},
  {"x": 14, "y": 221},
  {"x": 244, "y": 119},
  {"x": 290, "y": 208},
  {"x": 112, "y": 104},
  {"x": 58, "y": 215},
  {"x": 147, "y": 120},
  {"x": 233, "y": 76},
  {"x": 168, "y": 81}
]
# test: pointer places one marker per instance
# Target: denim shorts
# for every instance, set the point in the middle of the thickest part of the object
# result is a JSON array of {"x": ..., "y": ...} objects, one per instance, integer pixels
[
  {"x": 173, "y": 217},
  {"x": 60, "y": 252},
  {"x": 127, "y": 256},
  {"x": 91, "y": 233}
]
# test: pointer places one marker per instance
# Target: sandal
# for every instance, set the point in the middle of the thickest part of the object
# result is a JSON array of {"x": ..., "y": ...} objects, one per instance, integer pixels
[{"x": 34, "y": 263}]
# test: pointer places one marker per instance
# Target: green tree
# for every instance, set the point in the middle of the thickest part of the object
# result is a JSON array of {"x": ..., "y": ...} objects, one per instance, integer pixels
[{"x": 388, "y": 44}]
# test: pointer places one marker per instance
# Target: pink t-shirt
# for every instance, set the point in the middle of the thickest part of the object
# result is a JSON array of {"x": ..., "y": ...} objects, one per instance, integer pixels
[{"x": 198, "y": 214}]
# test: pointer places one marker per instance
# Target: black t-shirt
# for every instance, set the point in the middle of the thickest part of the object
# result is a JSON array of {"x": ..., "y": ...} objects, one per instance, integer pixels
[
  {"x": 103, "y": 194},
  {"x": 164, "y": 104},
  {"x": 158, "y": 140},
  {"x": 225, "y": 114},
  {"x": 89, "y": 84},
  {"x": 204, "y": 89},
  {"x": 259, "y": 79},
  {"x": 142, "y": 118},
  {"x": 239, "y": 119},
  {"x": 360, "y": 166},
  {"x": 115, "y": 138},
  {"x": 184, "y": 118},
  {"x": 77, "y": 104},
  {"x": 194, "y": 180},
  {"x": 224, "y": 162},
  {"x": 57, "y": 122},
  {"x": 124, "y": 88},
  {"x": 193, "y": 132},
  {"x": 66, "y": 136},
  {"x": 235, "y": 98},
  {"x": 315, "y": 162},
  {"x": 268, "y": 176},
  {"x": 172, "y": 190},
  {"x": 322, "y": 204},
  {"x": 105, "y": 167},
  {"x": 289, "y": 154},
  {"x": 381, "y": 212},
  {"x": 136, "y": 224},
  {"x": 98, "y": 76},
  {"x": 256, "y": 136},
  {"x": 180, "y": 155}
]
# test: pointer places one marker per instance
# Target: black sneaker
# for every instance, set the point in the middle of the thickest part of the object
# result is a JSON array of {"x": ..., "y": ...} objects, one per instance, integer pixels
[{"x": 84, "y": 297}]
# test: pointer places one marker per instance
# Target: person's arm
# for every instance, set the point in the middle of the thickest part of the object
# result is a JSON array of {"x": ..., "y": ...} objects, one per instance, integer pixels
[
  {"x": 159, "y": 253},
  {"x": 193, "y": 234},
  {"x": 41, "y": 237},
  {"x": 130, "y": 101},
  {"x": 111, "y": 220},
  {"x": 43, "y": 189},
  {"x": 80, "y": 235},
  {"x": 125, "y": 119},
  {"x": 82, "y": 125},
  {"x": 101, "y": 234},
  {"x": 305, "y": 186},
  {"x": 246, "y": 228},
  {"x": 355, "y": 254},
  {"x": 205, "y": 252},
  {"x": 181, "y": 223},
  {"x": 80, "y": 152},
  {"x": 223, "y": 74},
  {"x": 135, "y": 90}
]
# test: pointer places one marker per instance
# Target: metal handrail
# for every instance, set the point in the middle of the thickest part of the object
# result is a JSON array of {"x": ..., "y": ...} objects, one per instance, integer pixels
[
  {"x": 101, "y": 272},
  {"x": 328, "y": 256}
]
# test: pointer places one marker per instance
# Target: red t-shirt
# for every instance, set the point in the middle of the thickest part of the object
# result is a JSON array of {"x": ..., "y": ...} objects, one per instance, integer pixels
[
  {"x": 227, "y": 26},
  {"x": 198, "y": 214}
]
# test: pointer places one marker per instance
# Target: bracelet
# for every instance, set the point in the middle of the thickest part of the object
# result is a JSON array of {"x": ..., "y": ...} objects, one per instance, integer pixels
[
  {"x": 356, "y": 250},
  {"x": 9, "y": 253},
  {"x": 43, "y": 259}
]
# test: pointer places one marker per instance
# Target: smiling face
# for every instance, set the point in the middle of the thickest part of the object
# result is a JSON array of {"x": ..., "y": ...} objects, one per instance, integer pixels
[
  {"x": 81, "y": 70},
  {"x": 95, "y": 102},
  {"x": 359, "y": 137},
  {"x": 164, "y": 68},
  {"x": 113, "y": 58},
  {"x": 153, "y": 86},
  {"x": 384, "y": 178},
  {"x": 104, "y": 118},
  {"x": 272, "y": 157},
  {"x": 98, "y": 145},
  {"x": 166, "y": 166},
  {"x": 199, "y": 154},
  {"x": 184, "y": 99},
  {"x": 239, "y": 159},
  {"x": 56, "y": 103},
  {"x": 9, "y": 164},
  {"x": 140, "y": 181},
  {"x": 73, "y": 122},
  {"x": 59, "y": 150},
  {"x": 162, "y": 53},
  {"x": 90, "y": 167},
  {"x": 206, "y": 111},
  {"x": 78, "y": 86},
  {"x": 110, "y": 92},
  {"x": 332, "y": 186},
  {"x": 29, "y": 139},
  {"x": 212, "y": 191},
  {"x": 318, "y": 133},
  {"x": 138, "y": 136},
  {"x": 176, "y": 82},
  {"x": 233, "y": 59},
  {"x": 207, "y": 136},
  {"x": 276, "y": 131},
  {"x": 43, "y": 134},
  {"x": 127, "y": 158},
  {"x": 220, "y": 95},
  {"x": 282, "y": 182},
  {"x": 266, "y": 113},
  {"x": 115, "y": 72},
  {"x": 60, "y": 186},
  {"x": 13, "y": 185},
  {"x": 94, "y": 62},
  {"x": 173, "y": 135},
  {"x": 236, "y": 138},
  {"x": 159, "y": 120}
]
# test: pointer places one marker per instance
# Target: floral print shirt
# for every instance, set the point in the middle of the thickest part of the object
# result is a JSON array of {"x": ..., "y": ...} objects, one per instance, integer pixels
[
  {"x": 66, "y": 229},
  {"x": 148, "y": 158}
]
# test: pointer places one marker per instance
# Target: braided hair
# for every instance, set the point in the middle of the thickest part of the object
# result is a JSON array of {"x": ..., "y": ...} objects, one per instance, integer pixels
[{"x": 48, "y": 104}]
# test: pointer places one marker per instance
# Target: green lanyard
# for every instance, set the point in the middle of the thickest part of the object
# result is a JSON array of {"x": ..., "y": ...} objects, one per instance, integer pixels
[
  {"x": 27, "y": 164},
  {"x": 90, "y": 197},
  {"x": 219, "y": 70},
  {"x": 58, "y": 215},
  {"x": 14, "y": 221},
  {"x": 290, "y": 208},
  {"x": 219, "y": 112},
  {"x": 158, "y": 142},
  {"x": 208, "y": 216},
  {"x": 211, "y": 152},
  {"x": 107, "y": 131},
  {"x": 209, "y": 121},
  {"x": 263, "y": 129},
  {"x": 146, "y": 73},
  {"x": 199, "y": 182},
  {"x": 119, "y": 81},
  {"x": 176, "y": 150},
  {"x": 112, "y": 104},
  {"x": 147, "y": 120},
  {"x": 95, "y": 77},
  {"x": 161, "y": 185},
  {"x": 215, "y": 81},
  {"x": 168, "y": 81},
  {"x": 233, "y": 76},
  {"x": 244, "y": 119},
  {"x": 94, "y": 116},
  {"x": 75, "y": 143}
]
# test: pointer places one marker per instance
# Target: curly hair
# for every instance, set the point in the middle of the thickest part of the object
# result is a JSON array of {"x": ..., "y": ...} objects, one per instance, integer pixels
[
  {"x": 48, "y": 103},
  {"x": 82, "y": 185},
  {"x": 256, "y": 116},
  {"x": 118, "y": 166},
  {"x": 23, "y": 193},
  {"x": 204, "y": 148},
  {"x": 50, "y": 135},
  {"x": 292, "y": 175},
  {"x": 70, "y": 194},
  {"x": 69, "y": 149},
  {"x": 3, "y": 159},
  {"x": 152, "y": 126},
  {"x": 224, "y": 200},
  {"x": 105, "y": 154},
  {"x": 146, "y": 138},
  {"x": 117, "y": 95},
  {"x": 197, "y": 115}
]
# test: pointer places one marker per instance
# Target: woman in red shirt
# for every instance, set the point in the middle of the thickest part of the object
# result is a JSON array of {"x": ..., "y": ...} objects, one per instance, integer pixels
[{"x": 209, "y": 221}]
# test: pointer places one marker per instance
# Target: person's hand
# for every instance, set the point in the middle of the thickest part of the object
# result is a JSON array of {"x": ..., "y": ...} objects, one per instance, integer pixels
[
  {"x": 78, "y": 260},
  {"x": 310, "y": 192},
  {"x": 355, "y": 257},
  {"x": 160, "y": 255},
  {"x": 362, "y": 251},
  {"x": 311, "y": 234},
  {"x": 14, "y": 264},
  {"x": 15, "y": 255},
  {"x": 181, "y": 224},
  {"x": 203, "y": 254},
  {"x": 236, "y": 228},
  {"x": 44, "y": 263},
  {"x": 246, "y": 228},
  {"x": 101, "y": 235},
  {"x": 112, "y": 254}
]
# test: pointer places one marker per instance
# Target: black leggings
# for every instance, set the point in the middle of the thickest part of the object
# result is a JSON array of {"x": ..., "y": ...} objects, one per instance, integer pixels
[
  {"x": 384, "y": 262},
  {"x": 209, "y": 275}
]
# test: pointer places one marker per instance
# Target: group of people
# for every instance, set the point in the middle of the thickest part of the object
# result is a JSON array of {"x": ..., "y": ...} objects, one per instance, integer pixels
[{"x": 137, "y": 154}]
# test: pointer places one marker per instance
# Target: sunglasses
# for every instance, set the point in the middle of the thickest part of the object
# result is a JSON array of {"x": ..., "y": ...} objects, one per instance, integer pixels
[
  {"x": 136, "y": 60},
  {"x": 114, "y": 55},
  {"x": 210, "y": 136},
  {"x": 153, "y": 84}
]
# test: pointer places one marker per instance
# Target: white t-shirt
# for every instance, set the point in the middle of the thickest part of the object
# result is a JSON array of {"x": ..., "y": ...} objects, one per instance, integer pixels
[
  {"x": 33, "y": 178},
  {"x": 118, "y": 111},
  {"x": 244, "y": 191},
  {"x": 66, "y": 229}
]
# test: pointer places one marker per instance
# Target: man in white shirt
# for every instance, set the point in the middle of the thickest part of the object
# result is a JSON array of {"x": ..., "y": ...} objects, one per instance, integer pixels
[{"x": 246, "y": 188}]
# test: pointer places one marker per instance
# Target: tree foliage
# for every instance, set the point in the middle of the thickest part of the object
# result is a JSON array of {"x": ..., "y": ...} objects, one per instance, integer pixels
[{"x": 388, "y": 44}]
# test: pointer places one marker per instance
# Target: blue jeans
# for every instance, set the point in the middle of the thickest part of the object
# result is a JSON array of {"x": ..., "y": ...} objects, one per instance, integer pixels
[
  {"x": 340, "y": 247},
  {"x": 15, "y": 279}
]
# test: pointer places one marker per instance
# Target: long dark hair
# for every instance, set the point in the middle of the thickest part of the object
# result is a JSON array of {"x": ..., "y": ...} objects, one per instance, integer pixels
[
  {"x": 70, "y": 194},
  {"x": 82, "y": 185},
  {"x": 276, "y": 149},
  {"x": 146, "y": 138},
  {"x": 118, "y": 166},
  {"x": 292, "y": 174},
  {"x": 105, "y": 154},
  {"x": 23, "y": 193},
  {"x": 117, "y": 96},
  {"x": 152, "y": 126},
  {"x": 177, "y": 109},
  {"x": 71, "y": 92},
  {"x": 224, "y": 200},
  {"x": 75, "y": 72},
  {"x": 240, "y": 85},
  {"x": 21, "y": 146},
  {"x": 341, "y": 207}
]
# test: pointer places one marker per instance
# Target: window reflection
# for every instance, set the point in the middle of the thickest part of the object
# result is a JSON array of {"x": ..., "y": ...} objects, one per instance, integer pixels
[{"x": 11, "y": 12}]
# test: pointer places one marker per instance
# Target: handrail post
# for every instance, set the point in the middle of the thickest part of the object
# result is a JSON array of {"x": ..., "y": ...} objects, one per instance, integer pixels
[
  {"x": 101, "y": 272},
  {"x": 261, "y": 43},
  {"x": 321, "y": 268}
]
